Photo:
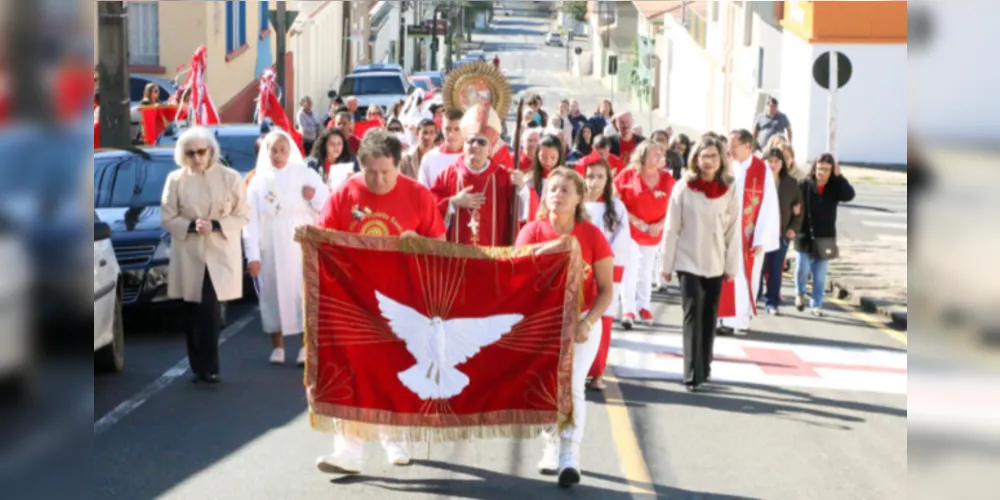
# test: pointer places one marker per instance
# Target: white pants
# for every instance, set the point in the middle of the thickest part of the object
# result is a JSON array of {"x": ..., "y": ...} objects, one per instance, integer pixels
[
  {"x": 583, "y": 358},
  {"x": 354, "y": 447},
  {"x": 639, "y": 279}
]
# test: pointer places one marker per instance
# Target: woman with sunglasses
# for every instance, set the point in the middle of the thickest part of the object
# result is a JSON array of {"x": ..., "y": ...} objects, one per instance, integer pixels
[{"x": 204, "y": 209}]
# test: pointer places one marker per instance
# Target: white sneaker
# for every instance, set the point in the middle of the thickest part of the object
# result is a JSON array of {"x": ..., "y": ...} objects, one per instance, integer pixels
[
  {"x": 569, "y": 463},
  {"x": 278, "y": 356},
  {"x": 397, "y": 454},
  {"x": 339, "y": 463},
  {"x": 549, "y": 464},
  {"x": 302, "y": 357}
]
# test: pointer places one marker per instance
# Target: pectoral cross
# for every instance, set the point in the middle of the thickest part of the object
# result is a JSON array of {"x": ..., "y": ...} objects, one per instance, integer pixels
[{"x": 474, "y": 226}]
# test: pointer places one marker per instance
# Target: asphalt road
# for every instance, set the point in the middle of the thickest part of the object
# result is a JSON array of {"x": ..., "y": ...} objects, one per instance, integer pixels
[
  {"x": 877, "y": 213},
  {"x": 802, "y": 408}
]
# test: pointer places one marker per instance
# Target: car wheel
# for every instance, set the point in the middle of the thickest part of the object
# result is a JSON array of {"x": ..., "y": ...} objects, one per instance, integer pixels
[{"x": 111, "y": 358}]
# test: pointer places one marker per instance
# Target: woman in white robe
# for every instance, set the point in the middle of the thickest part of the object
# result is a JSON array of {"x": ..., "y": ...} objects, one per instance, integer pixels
[{"x": 283, "y": 194}]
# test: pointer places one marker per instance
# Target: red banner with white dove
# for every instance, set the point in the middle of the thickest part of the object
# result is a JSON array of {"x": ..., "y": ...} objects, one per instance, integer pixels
[
  {"x": 200, "y": 109},
  {"x": 268, "y": 106},
  {"x": 430, "y": 341}
]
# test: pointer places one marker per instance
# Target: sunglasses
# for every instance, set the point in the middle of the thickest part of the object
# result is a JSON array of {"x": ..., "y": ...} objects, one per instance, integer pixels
[
  {"x": 191, "y": 153},
  {"x": 477, "y": 141},
  {"x": 395, "y": 130}
]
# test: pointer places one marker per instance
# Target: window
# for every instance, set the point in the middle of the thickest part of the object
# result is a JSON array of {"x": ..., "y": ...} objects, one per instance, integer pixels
[
  {"x": 263, "y": 16},
  {"x": 236, "y": 25},
  {"x": 143, "y": 33},
  {"x": 697, "y": 27},
  {"x": 367, "y": 85}
]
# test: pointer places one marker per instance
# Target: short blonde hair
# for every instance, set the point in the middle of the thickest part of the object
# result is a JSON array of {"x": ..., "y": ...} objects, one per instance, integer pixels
[{"x": 200, "y": 135}]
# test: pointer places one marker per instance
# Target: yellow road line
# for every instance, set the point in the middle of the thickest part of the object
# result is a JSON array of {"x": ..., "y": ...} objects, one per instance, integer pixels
[
  {"x": 629, "y": 452},
  {"x": 871, "y": 320}
]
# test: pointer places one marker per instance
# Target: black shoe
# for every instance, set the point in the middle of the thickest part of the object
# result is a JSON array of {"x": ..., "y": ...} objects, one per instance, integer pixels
[
  {"x": 212, "y": 378},
  {"x": 568, "y": 477},
  {"x": 195, "y": 378},
  {"x": 691, "y": 387},
  {"x": 724, "y": 331}
]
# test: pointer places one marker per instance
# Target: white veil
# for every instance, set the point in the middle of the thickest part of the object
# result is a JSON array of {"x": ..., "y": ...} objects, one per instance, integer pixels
[{"x": 295, "y": 159}]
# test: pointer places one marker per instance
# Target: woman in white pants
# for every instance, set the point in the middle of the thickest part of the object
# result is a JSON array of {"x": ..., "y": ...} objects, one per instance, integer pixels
[
  {"x": 609, "y": 215},
  {"x": 645, "y": 189},
  {"x": 562, "y": 213}
]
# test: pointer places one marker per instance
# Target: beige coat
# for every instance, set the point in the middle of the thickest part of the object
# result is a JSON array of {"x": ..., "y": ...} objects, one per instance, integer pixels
[
  {"x": 700, "y": 234},
  {"x": 217, "y": 194}
]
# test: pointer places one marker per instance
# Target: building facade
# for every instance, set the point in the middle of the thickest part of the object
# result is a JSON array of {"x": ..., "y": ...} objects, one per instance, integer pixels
[
  {"x": 872, "y": 106},
  {"x": 240, "y": 43}
]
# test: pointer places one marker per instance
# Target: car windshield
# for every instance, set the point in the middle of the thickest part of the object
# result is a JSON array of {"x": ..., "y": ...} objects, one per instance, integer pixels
[
  {"x": 373, "y": 85},
  {"x": 138, "y": 183},
  {"x": 423, "y": 84}
]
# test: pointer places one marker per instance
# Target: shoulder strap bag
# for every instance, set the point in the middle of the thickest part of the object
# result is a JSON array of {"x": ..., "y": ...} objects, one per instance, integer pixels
[{"x": 822, "y": 248}]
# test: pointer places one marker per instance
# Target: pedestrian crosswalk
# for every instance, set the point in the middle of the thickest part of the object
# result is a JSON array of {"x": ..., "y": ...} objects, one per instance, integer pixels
[{"x": 878, "y": 212}]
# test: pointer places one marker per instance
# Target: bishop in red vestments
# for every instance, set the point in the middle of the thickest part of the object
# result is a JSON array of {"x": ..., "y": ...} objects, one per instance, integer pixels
[{"x": 476, "y": 194}]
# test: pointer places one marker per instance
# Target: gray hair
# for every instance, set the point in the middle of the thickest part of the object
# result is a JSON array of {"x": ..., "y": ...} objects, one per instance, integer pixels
[
  {"x": 379, "y": 143},
  {"x": 199, "y": 135}
]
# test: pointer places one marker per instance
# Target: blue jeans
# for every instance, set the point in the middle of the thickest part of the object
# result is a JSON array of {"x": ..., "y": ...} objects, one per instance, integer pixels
[
  {"x": 774, "y": 266},
  {"x": 806, "y": 264}
]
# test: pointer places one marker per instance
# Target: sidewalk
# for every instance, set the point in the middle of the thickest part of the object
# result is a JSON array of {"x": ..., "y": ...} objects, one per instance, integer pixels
[{"x": 871, "y": 275}]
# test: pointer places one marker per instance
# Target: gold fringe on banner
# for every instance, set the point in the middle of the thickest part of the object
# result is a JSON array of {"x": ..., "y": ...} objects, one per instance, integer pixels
[
  {"x": 372, "y": 425},
  {"x": 378, "y": 432}
]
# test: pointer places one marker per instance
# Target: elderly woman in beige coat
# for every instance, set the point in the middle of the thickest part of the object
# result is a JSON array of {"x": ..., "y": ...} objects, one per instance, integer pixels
[{"x": 204, "y": 208}]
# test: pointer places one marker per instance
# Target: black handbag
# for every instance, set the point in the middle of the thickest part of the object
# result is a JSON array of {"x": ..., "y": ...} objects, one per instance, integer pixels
[{"x": 821, "y": 248}]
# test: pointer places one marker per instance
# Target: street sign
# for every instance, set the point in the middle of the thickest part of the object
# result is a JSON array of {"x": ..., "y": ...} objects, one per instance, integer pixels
[
  {"x": 578, "y": 50},
  {"x": 418, "y": 31},
  {"x": 821, "y": 70},
  {"x": 290, "y": 16}
]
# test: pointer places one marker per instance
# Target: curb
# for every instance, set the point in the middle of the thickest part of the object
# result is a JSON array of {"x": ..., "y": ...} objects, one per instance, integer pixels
[{"x": 894, "y": 315}]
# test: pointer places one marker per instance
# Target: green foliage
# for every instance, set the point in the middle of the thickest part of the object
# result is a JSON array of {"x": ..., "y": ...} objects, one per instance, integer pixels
[{"x": 576, "y": 9}]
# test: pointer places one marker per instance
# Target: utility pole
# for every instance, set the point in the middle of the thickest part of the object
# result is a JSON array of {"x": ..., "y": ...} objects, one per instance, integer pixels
[
  {"x": 435, "y": 43},
  {"x": 401, "y": 45},
  {"x": 418, "y": 18},
  {"x": 280, "y": 31},
  {"x": 112, "y": 69},
  {"x": 31, "y": 103}
]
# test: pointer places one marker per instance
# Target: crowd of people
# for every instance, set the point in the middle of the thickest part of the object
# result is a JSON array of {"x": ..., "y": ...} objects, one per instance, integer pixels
[{"x": 717, "y": 214}]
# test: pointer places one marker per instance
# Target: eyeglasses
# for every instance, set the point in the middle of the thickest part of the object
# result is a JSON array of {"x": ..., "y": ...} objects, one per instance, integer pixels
[
  {"x": 191, "y": 153},
  {"x": 477, "y": 141}
]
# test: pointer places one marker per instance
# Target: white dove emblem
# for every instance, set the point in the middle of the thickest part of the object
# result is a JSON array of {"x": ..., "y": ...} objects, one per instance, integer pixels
[{"x": 439, "y": 345}]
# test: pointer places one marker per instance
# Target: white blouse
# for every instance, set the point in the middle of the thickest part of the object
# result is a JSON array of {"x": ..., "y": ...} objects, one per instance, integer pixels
[{"x": 621, "y": 237}]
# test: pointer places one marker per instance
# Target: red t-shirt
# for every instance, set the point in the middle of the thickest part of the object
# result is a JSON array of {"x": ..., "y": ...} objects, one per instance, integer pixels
[
  {"x": 524, "y": 164},
  {"x": 613, "y": 161},
  {"x": 626, "y": 149},
  {"x": 593, "y": 246},
  {"x": 353, "y": 143},
  {"x": 648, "y": 204},
  {"x": 409, "y": 206}
]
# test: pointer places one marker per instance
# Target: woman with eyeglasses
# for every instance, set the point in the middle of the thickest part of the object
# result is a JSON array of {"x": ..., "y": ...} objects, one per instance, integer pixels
[{"x": 204, "y": 209}]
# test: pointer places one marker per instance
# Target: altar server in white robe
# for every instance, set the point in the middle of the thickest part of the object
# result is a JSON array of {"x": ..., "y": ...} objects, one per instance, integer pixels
[
  {"x": 283, "y": 194},
  {"x": 760, "y": 221},
  {"x": 436, "y": 161}
]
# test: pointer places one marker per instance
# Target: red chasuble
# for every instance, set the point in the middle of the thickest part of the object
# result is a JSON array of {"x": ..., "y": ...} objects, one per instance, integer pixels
[
  {"x": 753, "y": 195},
  {"x": 490, "y": 224}
]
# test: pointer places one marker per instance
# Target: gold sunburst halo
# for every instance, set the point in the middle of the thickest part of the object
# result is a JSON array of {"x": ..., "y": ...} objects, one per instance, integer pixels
[{"x": 475, "y": 77}]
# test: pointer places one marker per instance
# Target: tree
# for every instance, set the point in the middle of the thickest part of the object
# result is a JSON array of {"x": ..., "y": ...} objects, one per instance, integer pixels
[{"x": 576, "y": 9}]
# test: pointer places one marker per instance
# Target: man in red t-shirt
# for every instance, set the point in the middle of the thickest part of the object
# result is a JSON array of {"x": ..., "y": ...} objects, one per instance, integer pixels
[
  {"x": 378, "y": 202},
  {"x": 625, "y": 142},
  {"x": 601, "y": 150}
]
